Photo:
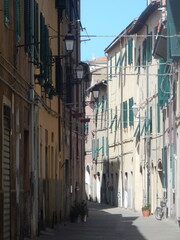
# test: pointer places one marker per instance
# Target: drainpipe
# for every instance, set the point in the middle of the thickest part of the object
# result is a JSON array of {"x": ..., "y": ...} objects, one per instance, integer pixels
[
  {"x": 59, "y": 12},
  {"x": 33, "y": 141},
  {"x": 121, "y": 129}
]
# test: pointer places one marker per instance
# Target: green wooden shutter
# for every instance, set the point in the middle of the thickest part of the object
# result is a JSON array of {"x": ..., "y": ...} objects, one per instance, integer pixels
[
  {"x": 149, "y": 47},
  {"x": 44, "y": 48},
  {"x": 102, "y": 106},
  {"x": 110, "y": 69},
  {"x": 158, "y": 118},
  {"x": 92, "y": 149},
  {"x": 164, "y": 154},
  {"x": 50, "y": 66},
  {"x": 116, "y": 123},
  {"x": 18, "y": 21},
  {"x": 27, "y": 25},
  {"x": 173, "y": 28},
  {"x": 150, "y": 119},
  {"x": 163, "y": 83},
  {"x": 125, "y": 114},
  {"x": 130, "y": 51},
  {"x": 107, "y": 146},
  {"x": 6, "y": 12},
  {"x": 103, "y": 146},
  {"x": 144, "y": 53},
  {"x": 131, "y": 115},
  {"x": 97, "y": 148},
  {"x": 36, "y": 33}
]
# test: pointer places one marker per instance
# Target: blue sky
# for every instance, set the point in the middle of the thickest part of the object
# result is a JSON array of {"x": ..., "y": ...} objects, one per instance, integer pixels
[{"x": 105, "y": 18}]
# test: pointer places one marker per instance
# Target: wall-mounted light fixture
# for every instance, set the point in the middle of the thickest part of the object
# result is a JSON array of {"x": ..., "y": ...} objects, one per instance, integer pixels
[
  {"x": 95, "y": 92},
  {"x": 136, "y": 111}
]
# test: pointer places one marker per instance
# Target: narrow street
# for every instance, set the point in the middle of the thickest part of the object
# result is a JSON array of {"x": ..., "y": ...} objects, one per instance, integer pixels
[{"x": 109, "y": 223}]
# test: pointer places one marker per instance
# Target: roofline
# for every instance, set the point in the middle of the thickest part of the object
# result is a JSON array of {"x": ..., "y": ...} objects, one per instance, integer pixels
[
  {"x": 152, "y": 7},
  {"x": 136, "y": 24},
  {"x": 120, "y": 36}
]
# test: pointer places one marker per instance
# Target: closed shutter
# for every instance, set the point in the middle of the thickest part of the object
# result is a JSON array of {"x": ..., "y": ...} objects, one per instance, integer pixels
[
  {"x": 130, "y": 52},
  {"x": 6, "y": 175}
]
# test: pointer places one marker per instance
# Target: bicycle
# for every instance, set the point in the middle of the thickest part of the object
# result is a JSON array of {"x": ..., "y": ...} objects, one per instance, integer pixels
[{"x": 160, "y": 211}]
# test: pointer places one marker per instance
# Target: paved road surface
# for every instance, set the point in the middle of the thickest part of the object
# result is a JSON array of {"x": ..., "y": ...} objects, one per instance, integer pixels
[{"x": 107, "y": 223}]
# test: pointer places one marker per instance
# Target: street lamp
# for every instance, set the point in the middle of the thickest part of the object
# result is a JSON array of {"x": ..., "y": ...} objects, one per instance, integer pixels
[
  {"x": 79, "y": 71},
  {"x": 95, "y": 92},
  {"x": 69, "y": 42},
  {"x": 135, "y": 109}
]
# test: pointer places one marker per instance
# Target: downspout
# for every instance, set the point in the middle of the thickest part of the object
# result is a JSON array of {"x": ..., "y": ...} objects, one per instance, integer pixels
[
  {"x": 79, "y": 157},
  {"x": 121, "y": 128},
  {"x": 33, "y": 141},
  {"x": 59, "y": 19},
  {"x": 147, "y": 179}
]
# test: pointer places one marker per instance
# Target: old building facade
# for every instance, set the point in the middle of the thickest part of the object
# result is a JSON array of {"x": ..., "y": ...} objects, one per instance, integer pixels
[{"x": 42, "y": 145}]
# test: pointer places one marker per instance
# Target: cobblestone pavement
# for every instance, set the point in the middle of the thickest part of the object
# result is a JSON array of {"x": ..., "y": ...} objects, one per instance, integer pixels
[{"x": 108, "y": 223}]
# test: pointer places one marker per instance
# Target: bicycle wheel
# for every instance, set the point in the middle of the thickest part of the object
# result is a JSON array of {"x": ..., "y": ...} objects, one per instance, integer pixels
[{"x": 158, "y": 213}]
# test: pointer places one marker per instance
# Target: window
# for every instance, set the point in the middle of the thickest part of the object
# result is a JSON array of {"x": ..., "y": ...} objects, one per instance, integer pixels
[
  {"x": 6, "y": 12},
  {"x": 125, "y": 114},
  {"x": 130, "y": 51}
]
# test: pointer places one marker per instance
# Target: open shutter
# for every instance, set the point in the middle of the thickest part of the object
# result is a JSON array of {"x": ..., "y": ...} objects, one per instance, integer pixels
[
  {"x": 144, "y": 52},
  {"x": 163, "y": 83},
  {"x": 18, "y": 21},
  {"x": 149, "y": 47},
  {"x": 6, "y": 12},
  {"x": 131, "y": 115},
  {"x": 27, "y": 25},
  {"x": 103, "y": 146},
  {"x": 125, "y": 114},
  {"x": 36, "y": 33}
]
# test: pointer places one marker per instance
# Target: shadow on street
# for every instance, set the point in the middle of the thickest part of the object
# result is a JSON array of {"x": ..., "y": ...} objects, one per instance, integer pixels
[{"x": 103, "y": 222}]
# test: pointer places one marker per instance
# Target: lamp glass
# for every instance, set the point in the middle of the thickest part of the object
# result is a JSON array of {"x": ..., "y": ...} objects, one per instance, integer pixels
[
  {"x": 95, "y": 93},
  {"x": 69, "y": 42},
  {"x": 135, "y": 109},
  {"x": 79, "y": 72}
]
